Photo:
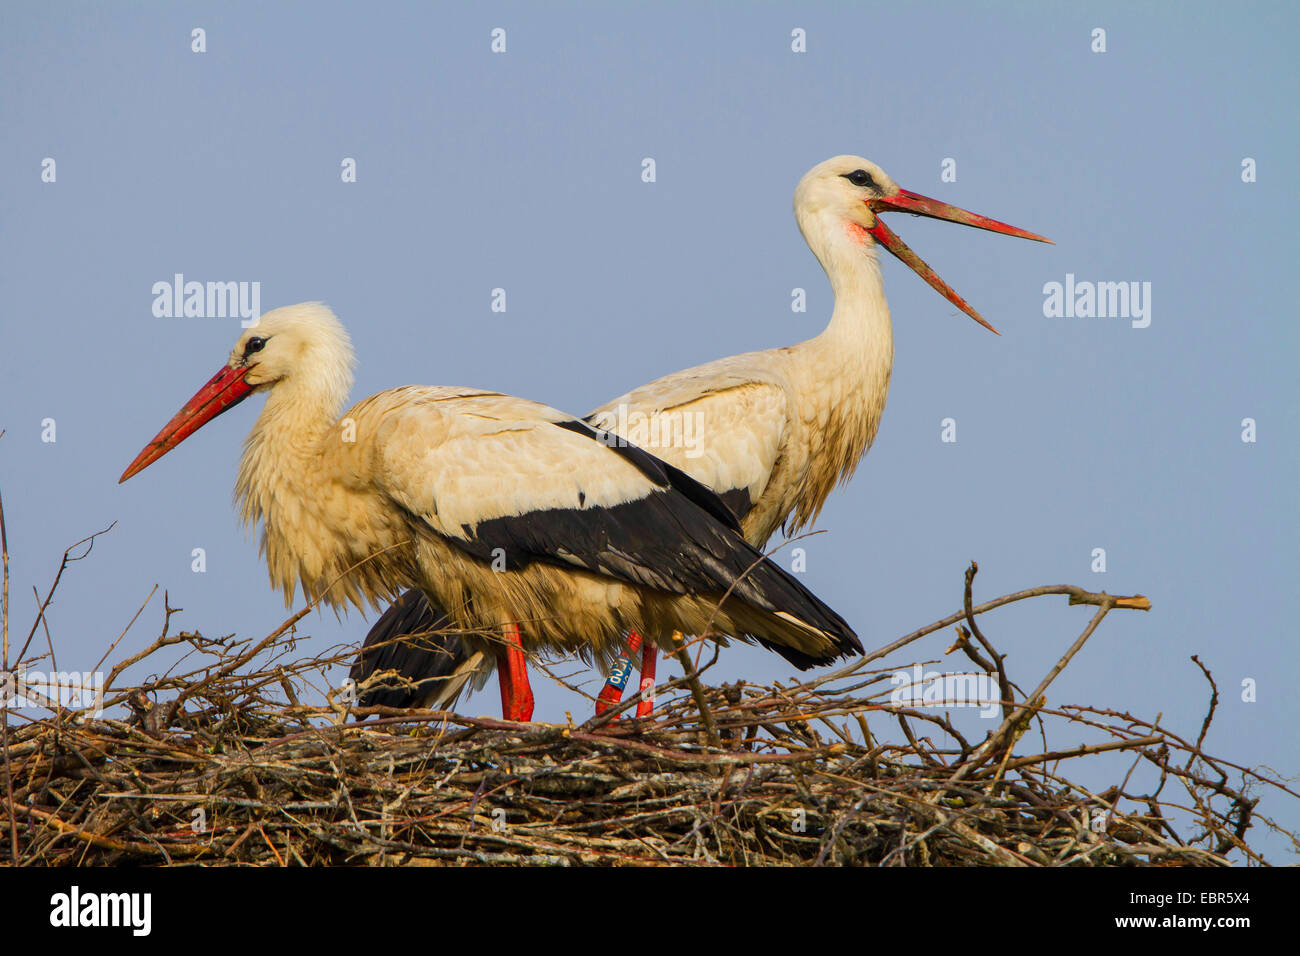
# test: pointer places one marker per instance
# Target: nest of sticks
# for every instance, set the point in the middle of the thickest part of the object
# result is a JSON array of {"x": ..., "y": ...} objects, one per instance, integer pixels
[{"x": 218, "y": 761}]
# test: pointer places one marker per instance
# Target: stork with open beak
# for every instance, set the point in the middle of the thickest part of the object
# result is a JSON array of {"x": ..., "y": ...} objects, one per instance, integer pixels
[
  {"x": 533, "y": 530},
  {"x": 776, "y": 430}
]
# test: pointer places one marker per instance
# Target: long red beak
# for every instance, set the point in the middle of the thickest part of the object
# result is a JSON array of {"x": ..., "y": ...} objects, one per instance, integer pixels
[
  {"x": 223, "y": 391},
  {"x": 918, "y": 205}
]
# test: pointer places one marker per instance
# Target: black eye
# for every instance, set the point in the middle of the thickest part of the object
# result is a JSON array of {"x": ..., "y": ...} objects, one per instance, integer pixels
[
  {"x": 253, "y": 345},
  {"x": 860, "y": 177}
]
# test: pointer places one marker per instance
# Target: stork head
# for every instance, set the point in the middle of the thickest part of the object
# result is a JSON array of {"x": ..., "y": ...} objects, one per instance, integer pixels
[
  {"x": 842, "y": 188},
  {"x": 844, "y": 196},
  {"x": 302, "y": 346},
  {"x": 291, "y": 342}
]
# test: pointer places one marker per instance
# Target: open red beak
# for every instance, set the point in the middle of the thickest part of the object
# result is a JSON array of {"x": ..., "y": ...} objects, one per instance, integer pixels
[
  {"x": 906, "y": 201},
  {"x": 223, "y": 391}
]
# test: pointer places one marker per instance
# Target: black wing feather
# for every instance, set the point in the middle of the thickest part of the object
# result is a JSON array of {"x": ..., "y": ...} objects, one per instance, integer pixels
[
  {"x": 664, "y": 540},
  {"x": 411, "y": 639}
]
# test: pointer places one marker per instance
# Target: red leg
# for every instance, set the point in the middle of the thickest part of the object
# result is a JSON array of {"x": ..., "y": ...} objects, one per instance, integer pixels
[
  {"x": 649, "y": 657},
  {"x": 612, "y": 692},
  {"x": 512, "y": 674}
]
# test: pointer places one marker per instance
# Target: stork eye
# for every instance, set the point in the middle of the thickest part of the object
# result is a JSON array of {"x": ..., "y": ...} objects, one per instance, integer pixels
[
  {"x": 254, "y": 345},
  {"x": 860, "y": 177}
]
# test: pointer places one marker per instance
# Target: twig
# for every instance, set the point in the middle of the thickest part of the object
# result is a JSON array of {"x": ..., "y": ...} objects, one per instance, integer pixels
[{"x": 6, "y": 676}]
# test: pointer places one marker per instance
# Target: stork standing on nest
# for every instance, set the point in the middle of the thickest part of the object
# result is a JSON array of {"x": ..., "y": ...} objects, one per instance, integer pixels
[
  {"x": 517, "y": 519},
  {"x": 776, "y": 430}
]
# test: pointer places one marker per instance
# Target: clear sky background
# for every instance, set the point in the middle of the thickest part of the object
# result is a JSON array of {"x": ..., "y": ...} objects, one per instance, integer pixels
[{"x": 522, "y": 171}]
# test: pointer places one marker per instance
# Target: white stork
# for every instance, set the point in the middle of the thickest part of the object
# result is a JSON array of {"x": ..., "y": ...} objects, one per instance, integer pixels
[
  {"x": 776, "y": 429},
  {"x": 516, "y": 518}
]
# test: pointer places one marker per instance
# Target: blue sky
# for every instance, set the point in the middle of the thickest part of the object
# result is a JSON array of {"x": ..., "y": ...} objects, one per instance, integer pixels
[{"x": 522, "y": 171}]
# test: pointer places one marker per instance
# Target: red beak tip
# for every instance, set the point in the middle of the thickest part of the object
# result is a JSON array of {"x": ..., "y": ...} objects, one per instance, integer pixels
[{"x": 223, "y": 391}]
